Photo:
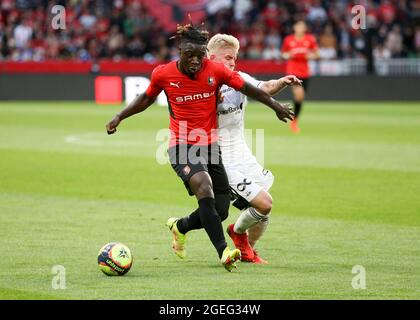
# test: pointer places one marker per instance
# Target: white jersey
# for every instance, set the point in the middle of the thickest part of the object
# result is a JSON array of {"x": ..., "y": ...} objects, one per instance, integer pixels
[
  {"x": 231, "y": 123},
  {"x": 246, "y": 176}
]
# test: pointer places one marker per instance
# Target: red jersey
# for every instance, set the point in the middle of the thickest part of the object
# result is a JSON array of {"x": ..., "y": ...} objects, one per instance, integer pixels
[
  {"x": 298, "y": 49},
  {"x": 193, "y": 102}
]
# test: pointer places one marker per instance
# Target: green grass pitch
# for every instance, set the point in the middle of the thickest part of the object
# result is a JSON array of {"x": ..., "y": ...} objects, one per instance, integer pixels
[{"x": 347, "y": 193}]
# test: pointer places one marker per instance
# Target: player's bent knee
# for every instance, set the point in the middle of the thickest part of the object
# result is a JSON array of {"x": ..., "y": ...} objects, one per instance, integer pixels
[
  {"x": 205, "y": 190},
  {"x": 266, "y": 207},
  {"x": 263, "y": 202},
  {"x": 201, "y": 185}
]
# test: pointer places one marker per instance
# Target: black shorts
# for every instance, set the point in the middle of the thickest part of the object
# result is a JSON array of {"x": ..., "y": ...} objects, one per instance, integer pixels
[
  {"x": 187, "y": 160},
  {"x": 305, "y": 83}
]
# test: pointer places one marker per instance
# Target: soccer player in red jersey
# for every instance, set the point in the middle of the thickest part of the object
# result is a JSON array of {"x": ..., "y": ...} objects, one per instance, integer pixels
[
  {"x": 297, "y": 50},
  {"x": 191, "y": 85}
]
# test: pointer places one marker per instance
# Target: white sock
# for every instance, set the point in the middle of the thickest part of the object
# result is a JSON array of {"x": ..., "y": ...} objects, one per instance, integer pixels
[
  {"x": 247, "y": 219},
  {"x": 257, "y": 230}
]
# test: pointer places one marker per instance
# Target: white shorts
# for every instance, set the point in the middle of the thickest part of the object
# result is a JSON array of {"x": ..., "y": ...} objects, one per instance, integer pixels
[{"x": 249, "y": 179}]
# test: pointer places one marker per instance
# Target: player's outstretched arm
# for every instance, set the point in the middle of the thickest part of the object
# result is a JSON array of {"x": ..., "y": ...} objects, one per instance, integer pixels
[
  {"x": 139, "y": 104},
  {"x": 272, "y": 87},
  {"x": 283, "y": 111}
]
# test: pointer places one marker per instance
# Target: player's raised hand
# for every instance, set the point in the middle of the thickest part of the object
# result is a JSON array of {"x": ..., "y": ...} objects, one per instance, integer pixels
[
  {"x": 291, "y": 80},
  {"x": 284, "y": 111},
  {"x": 111, "y": 127}
]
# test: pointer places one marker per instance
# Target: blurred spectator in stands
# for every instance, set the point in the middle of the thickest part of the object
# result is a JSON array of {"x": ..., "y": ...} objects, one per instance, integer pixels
[
  {"x": 336, "y": 11},
  {"x": 22, "y": 34},
  {"x": 131, "y": 22},
  {"x": 136, "y": 48},
  {"x": 256, "y": 37},
  {"x": 417, "y": 40},
  {"x": 52, "y": 45},
  {"x": 271, "y": 52},
  {"x": 93, "y": 49},
  {"x": 394, "y": 41},
  {"x": 88, "y": 20},
  {"x": 125, "y": 28},
  {"x": 316, "y": 12},
  {"x": 408, "y": 41},
  {"x": 344, "y": 40},
  {"x": 382, "y": 34},
  {"x": 39, "y": 46},
  {"x": 387, "y": 12},
  {"x": 7, "y": 5},
  {"x": 115, "y": 43},
  {"x": 358, "y": 44},
  {"x": 254, "y": 50},
  {"x": 215, "y": 6},
  {"x": 162, "y": 51},
  {"x": 102, "y": 26},
  {"x": 117, "y": 17},
  {"x": 273, "y": 38},
  {"x": 242, "y": 35},
  {"x": 381, "y": 52},
  {"x": 3, "y": 51},
  {"x": 415, "y": 7},
  {"x": 271, "y": 15},
  {"x": 328, "y": 43},
  {"x": 241, "y": 9},
  {"x": 372, "y": 14}
]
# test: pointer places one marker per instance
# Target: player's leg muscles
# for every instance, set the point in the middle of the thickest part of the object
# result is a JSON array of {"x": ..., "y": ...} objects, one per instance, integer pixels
[
  {"x": 201, "y": 186},
  {"x": 298, "y": 93},
  {"x": 260, "y": 207},
  {"x": 221, "y": 189},
  {"x": 298, "y": 97},
  {"x": 265, "y": 179},
  {"x": 263, "y": 202}
]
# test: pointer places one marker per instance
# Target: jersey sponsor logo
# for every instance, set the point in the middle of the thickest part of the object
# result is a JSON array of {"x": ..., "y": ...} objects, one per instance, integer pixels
[
  {"x": 242, "y": 185},
  {"x": 230, "y": 110},
  {"x": 226, "y": 90},
  {"x": 174, "y": 84},
  {"x": 194, "y": 97},
  {"x": 298, "y": 50}
]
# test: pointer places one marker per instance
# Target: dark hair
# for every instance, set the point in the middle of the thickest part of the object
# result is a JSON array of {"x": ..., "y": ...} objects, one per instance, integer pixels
[
  {"x": 191, "y": 34},
  {"x": 299, "y": 20}
]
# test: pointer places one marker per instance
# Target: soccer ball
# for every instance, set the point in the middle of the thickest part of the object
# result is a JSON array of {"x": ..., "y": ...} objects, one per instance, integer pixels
[{"x": 115, "y": 259}]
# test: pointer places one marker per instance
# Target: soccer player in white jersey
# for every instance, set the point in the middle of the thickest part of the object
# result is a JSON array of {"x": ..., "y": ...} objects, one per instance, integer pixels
[{"x": 248, "y": 180}]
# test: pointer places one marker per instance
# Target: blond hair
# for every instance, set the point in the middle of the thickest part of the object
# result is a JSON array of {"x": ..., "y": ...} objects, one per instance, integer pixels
[{"x": 222, "y": 41}]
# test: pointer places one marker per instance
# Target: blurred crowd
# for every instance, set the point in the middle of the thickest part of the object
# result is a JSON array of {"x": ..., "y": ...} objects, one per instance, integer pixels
[{"x": 125, "y": 29}]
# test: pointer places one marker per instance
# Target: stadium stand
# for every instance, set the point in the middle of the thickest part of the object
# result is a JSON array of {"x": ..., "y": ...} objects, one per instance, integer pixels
[{"x": 134, "y": 29}]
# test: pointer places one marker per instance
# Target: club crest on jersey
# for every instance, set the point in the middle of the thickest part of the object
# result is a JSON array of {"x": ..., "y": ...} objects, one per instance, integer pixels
[
  {"x": 186, "y": 170},
  {"x": 210, "y": 81}
]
